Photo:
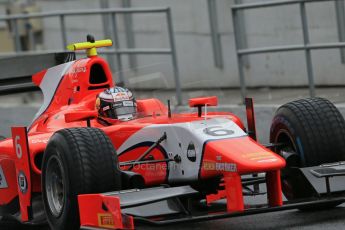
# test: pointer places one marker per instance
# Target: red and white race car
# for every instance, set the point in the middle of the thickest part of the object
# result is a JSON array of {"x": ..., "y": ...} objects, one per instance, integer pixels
[{"x": 161, "y": 168}]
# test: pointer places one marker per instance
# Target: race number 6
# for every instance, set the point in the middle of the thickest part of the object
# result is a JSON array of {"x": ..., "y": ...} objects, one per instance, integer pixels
[
  {"x": 19, "y": 151},
  {"x": 218, "y": 131}
]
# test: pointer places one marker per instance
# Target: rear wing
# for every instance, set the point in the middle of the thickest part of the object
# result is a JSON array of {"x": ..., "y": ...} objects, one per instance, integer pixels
[{"x": 16, "y": 71}]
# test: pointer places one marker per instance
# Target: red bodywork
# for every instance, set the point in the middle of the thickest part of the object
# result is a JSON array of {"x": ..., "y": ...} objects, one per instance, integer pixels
[{"x": 71, "y": 101}]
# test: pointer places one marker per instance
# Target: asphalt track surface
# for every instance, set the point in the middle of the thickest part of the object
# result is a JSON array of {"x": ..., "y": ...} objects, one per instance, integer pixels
[{"x": 293, "y": 219}]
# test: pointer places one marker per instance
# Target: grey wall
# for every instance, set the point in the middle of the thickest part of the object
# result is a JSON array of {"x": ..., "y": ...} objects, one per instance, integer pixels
[{"x": 271, "y": 26}]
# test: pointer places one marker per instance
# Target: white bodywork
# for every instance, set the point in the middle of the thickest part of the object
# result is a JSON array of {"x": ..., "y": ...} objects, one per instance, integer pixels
[
  {"x": 50, "y": 83},
  {"x": 179, "y": 137}
]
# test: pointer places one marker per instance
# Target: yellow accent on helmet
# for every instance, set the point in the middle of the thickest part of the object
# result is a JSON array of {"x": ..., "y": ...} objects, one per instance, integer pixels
[
  {"x": 90, "y": 47},
  {"x": 98, "y": 103}
]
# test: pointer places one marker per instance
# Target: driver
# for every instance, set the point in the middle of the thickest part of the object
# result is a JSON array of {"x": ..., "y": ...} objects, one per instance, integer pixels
[{"x": 116, "y": 103}]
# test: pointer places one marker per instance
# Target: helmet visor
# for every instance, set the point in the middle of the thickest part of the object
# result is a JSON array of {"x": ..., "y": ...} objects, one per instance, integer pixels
[
  {"x": 122, "y": 108},
  {"x": 125, "y": 110}
]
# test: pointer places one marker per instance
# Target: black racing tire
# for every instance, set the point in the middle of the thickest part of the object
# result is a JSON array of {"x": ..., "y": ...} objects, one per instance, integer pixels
[
  {"x": 315, "y": 130},
  {"x": 76, "y": 161}
]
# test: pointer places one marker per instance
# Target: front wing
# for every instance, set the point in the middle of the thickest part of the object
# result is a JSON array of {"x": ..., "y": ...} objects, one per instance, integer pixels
[{"x": 169, "y": 205}]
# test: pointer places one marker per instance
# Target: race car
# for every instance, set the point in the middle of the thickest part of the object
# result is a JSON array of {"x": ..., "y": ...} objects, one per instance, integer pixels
[{"x": 72, "y": 170}]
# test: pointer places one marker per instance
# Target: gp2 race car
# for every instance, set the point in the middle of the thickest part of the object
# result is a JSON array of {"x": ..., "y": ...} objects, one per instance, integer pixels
[{"x": 161, "y": 168}]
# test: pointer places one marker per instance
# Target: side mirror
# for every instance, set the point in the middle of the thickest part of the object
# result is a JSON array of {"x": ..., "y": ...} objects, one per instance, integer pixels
[
  {"x": 200, "y": 102},
  {"x": 80, "y": 116}
]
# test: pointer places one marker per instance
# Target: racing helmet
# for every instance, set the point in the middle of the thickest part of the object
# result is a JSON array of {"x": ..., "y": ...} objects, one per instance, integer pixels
[{"x": 116, "y": 103}]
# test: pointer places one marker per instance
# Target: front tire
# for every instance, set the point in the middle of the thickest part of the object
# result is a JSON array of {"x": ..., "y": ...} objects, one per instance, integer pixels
[
  {"x": 76, "y": 161},
  {"x": 313, "y": 129}
]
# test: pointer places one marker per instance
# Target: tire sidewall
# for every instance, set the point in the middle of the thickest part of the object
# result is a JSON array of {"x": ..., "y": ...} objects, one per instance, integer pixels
[
  {"x": 67, "y": 219},
  {"x": 292, "y": 186},
  {"x": 300, "y": 121}
]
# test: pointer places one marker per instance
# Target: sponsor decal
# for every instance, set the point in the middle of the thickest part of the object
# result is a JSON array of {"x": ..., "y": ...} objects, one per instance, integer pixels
[
  {"x": 268, "y": 160},
  {"x": 191, "y": 153},
  {"x": 170, "y": 154},
  {"x": 75, "y": 71},
  {"x": 3, "y": 182},
  {"x": 106, "y": 108},
  {"x": 120, "y": 96},
  {"x": 219, "y": 166},
  {"x": 106, "y": 220},
  {"x": 259, "y": 157},
  {"x": 36, "y": 141},
  {"x": 78, "y": 70},
  {"x": 22, "y": 182},
  {"x": 127, "y": 103}
]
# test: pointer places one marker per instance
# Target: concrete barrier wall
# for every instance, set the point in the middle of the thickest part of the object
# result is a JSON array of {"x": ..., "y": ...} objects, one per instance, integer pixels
[
  {"x": 12, "y": 116},
  {"x": 265, "y": 27}
]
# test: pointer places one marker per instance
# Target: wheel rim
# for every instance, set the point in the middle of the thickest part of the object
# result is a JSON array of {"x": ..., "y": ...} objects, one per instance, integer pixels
[
  {"x": 288, "y": 181},
  {"x": 290, "y": 144},
  {"x": 55, "y": 189}
]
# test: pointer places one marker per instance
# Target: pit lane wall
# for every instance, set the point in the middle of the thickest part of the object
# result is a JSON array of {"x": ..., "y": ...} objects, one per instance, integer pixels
[{"x": 265, "y": 27}]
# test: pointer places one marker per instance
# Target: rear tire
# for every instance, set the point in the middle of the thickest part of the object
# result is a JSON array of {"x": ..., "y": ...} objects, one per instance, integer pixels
[
  {"x": 314, "y": 129},
  {"x": 76, "y": 161}
]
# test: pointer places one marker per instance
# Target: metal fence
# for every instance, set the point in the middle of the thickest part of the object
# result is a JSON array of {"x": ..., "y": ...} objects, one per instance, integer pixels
[
  {"x": 306, "y": 46},
  {"x": 112, "y": 12}
]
